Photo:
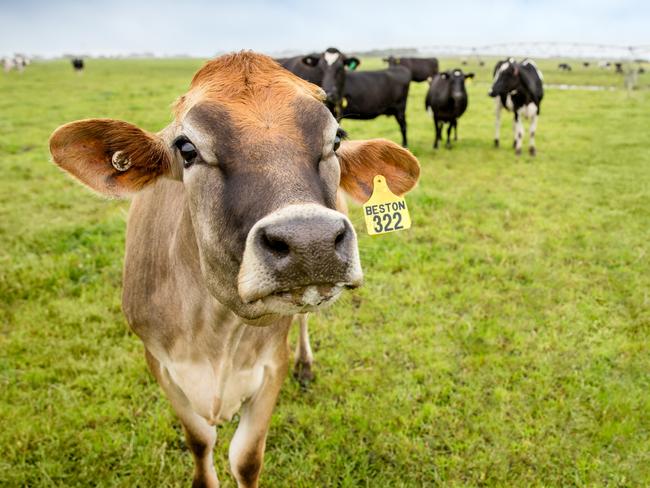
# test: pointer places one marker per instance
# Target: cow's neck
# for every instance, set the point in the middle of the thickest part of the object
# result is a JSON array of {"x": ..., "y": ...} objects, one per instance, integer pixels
[{"x": 205, "y": 349}]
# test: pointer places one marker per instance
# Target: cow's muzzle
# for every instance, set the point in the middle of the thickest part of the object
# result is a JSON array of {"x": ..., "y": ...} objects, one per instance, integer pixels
[{"x": 299, "y": 258}]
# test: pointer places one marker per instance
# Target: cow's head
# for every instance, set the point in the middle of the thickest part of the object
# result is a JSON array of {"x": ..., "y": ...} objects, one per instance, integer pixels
[
  {"x": 455, "y": 81},
  {"x": 333, "y": 63},
  {"x": 261, "y": 160},
  {"x": 450, "y": 85},
  {"x": 506, "y": 78}
]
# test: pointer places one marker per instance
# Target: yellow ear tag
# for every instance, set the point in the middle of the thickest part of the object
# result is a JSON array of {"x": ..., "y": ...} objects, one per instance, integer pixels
[
  {"x": 468, "y": 80},
  {"x": 384, "y": 211},
  {"x": 344, "y": 102}
]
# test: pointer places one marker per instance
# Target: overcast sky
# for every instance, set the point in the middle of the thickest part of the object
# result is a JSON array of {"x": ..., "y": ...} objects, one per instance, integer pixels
[{"x": 203, "y": 28}]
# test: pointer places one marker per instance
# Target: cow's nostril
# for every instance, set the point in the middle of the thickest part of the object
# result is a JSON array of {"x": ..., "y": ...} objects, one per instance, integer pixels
[
  {"x": 340, "y": 237},
  {"x": 275, "y": 245}
]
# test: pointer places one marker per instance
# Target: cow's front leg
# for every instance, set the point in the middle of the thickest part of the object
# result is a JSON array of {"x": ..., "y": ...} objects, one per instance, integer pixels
[
  {"x": 302, "y": 369},
  {"x": 449, "y": 128},
  {"x": 533, "y": 128},
  {"x": 401, "y": 120},
  {"x": 199, "y": 435},
  {"x": 519, "y": 133},
  {"x": 246, "y": 453},
  {"x": 438, "y": 125},
  {"x": 497, "y": 120}
]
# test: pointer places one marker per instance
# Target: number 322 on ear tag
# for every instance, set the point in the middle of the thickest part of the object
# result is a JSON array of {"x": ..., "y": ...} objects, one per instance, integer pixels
[{"x": 384, "y": 211}]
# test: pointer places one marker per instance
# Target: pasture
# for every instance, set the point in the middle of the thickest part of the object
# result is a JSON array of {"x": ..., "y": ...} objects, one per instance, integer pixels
[{"x": 502, "y": 341}]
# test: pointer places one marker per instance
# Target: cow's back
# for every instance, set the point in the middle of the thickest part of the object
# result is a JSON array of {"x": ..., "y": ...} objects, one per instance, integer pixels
[
  {"x": 373, "y": 93},
  {"x": 423, "y": 69},
  {"x": 304, "y": 71},
  {"x": 532, "y": 80}
]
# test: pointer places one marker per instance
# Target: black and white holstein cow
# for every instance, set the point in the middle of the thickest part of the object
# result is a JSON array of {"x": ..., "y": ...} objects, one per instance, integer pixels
[
  {"x": 327, "y": 70},
  {"x": 421, "y": 69},
  {"x": 447, "y": 100},
  {"x": 518, "y": 87},
  {"x": 232, "y": 231},
  {"x": 17, "y": 62}
]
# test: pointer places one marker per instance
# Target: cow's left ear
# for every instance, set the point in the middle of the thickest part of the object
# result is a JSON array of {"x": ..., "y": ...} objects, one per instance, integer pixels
[
  {"x": 361, "y": 161},
  {"x": 111, "y": 157},
  {"x": 469, "y": 75},
  {"x": 352, "y": 63}
]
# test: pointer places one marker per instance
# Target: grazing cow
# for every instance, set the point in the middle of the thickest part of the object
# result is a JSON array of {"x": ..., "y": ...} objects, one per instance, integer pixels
[
  {"x": 446, "y": 100},
  {"x": 421, "y": 68},
  {"x": 604, "y": 64},
  {"x": 78, "y": 64},
  {"x": 518, "y": 87},
  {"x": 232, "y": 231},
  {"x": 564, "y": 67},
  {"x": 586, "y": 64},
  {"x": 17, "y": 62},
  {"x": 369, "y": 94},
  {"x": 327, "y": 69},
  {"x": 619, "y": 68},
  {"x": 7, "y": 64}
]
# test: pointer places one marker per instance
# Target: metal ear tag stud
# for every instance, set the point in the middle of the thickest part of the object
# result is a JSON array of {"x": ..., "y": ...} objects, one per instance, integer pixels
[{"x": 120, "y": 162}]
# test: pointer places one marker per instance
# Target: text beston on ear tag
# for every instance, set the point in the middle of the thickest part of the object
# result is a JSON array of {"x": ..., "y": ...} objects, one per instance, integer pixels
[{"x": 384, "y": 211}]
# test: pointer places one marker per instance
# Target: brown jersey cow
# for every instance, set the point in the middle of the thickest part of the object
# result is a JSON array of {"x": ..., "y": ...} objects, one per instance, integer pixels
[{"x": 232, "y": 231}]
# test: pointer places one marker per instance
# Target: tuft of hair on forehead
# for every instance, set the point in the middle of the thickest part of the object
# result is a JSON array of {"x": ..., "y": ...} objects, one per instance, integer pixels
[{"x": 244, "y": 76}]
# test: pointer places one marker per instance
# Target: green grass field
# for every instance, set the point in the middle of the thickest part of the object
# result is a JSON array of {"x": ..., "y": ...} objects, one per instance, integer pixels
[{"x": 502, "y": 341}]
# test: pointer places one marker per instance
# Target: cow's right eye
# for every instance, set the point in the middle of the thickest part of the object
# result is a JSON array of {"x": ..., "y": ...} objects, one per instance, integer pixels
[{"x": 187, "y": 150}]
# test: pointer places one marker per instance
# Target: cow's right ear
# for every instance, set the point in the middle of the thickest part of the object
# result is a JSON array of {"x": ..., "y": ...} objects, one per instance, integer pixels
[
  {"x": 311, "y": 60},
  {"x": 112, "y": 157}
]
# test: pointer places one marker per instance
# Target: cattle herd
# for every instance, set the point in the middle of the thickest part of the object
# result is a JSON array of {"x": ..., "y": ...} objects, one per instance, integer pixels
[
  {"x": 16, "y": 62},
  {"x": 238, "y": 221},
  {"x": 517, "y": 86}
]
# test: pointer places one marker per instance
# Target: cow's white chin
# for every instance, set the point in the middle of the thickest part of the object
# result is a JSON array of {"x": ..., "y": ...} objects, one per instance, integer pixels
[
  {"x": 299, "y": 300},
  {"x": 303, "y": 299}
]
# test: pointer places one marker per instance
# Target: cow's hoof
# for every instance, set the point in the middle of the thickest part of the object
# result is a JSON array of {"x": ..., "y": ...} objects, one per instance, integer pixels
[
  {"x": 532, "y": 151},
  {"x": 496, "y": 143},
  {"x": 448, "y": 145},
  {"x": 518, "y": 151},
  {"x": 203, "y": 480},
  {"x": 514, "y": 144},
  {"x": 435, "y": 146},
  {"x": 303, "y": 374}
]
